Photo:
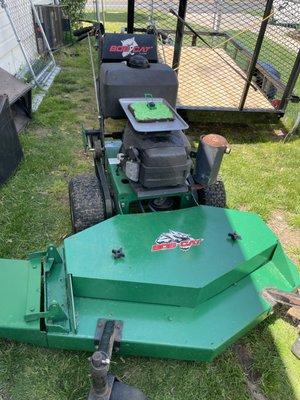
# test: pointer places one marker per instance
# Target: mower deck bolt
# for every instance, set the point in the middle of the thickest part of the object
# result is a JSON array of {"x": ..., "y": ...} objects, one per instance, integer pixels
[
  {"x": 234, "y": 236},
  {"x": 118, "y": 253}
]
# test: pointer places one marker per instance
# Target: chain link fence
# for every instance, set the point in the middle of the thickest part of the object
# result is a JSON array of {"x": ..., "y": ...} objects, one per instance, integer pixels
[
  {"x": 21, "y": 15},
  {"x": 28, "y": 34},
  {"x": 212, "y": 72},
  {"x": 225, "y": 44}
]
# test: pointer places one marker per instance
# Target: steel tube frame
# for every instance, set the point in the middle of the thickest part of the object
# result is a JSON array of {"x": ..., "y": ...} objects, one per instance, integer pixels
[
  {"x": 259, "y": 42},
  {"x": 179, "y": 35},
  {"x": 291, "y": 83},
  {"x": 103, "y": 12},
  {"x": 97, "y": 10},
  {"x": 130, "y": 16}
]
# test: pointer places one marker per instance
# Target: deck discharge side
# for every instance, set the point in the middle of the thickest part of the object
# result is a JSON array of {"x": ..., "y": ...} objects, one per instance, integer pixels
[{"x": 196, "y": 330}]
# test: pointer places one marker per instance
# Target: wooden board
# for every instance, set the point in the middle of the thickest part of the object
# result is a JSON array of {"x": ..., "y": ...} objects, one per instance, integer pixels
[{"x": 206, "y": 81}]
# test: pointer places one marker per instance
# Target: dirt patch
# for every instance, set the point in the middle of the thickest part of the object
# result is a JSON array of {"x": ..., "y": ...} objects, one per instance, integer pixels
[
  {"x": 287, "y": 235},
  {"x": 83, "y": 156},
  {"x": 243, "y": 207},
  {"x": 43, "y": 132},
  {"x": 252, "y": 376},
  {"x": 63, "y": 198},
  {"x": 4, "y": 395}
]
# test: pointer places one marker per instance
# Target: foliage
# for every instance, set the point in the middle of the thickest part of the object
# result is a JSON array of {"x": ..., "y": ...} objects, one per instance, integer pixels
[{"x": 75, "y": 9}]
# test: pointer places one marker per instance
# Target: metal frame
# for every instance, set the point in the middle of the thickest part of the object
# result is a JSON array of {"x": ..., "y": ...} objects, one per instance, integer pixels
[
  {"x": 291, "y": 83},
  {"x": 179, "y": 34},
  {"x": 256, "y": 52},
  {"x": 130, "y": 16}
]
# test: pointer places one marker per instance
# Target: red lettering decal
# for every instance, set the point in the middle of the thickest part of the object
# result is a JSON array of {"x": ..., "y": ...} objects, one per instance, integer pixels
[
  {"x": 185, "y": 243},
  {"x": 189, "y": 243},
  {"x": 120, "y": 49},
  {"x": 164, "y": 246}
]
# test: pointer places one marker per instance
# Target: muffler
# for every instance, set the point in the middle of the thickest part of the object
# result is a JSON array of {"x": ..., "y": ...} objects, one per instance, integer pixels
[{"x": 209, "y": 157}]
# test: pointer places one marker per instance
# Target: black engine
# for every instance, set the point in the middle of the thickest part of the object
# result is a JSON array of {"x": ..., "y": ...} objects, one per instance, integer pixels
[{"x": 156, "y": 159}]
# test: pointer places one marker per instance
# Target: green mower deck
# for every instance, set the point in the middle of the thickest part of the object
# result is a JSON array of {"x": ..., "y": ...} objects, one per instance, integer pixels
[{"x": 187, "y": 299}]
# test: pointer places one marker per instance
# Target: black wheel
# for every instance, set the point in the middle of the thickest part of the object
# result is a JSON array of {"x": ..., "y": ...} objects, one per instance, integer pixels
[
  {"x": 86, "y": 202},
  {"x": 214, "y": 195},
  {"x": 122, "y": 391}
]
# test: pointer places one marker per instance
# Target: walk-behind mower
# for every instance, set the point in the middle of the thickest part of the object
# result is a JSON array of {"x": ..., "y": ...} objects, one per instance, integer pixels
[{"x": 158, "y": 266}]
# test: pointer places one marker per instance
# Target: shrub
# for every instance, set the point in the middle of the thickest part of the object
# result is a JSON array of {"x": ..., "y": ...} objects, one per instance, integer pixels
[{"x": 75, "y": 9}]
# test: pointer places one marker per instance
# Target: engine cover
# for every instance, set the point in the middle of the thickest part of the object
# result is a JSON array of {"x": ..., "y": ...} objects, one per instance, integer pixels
[
  {"x": 162, "y": 158},
  {"x": 118, "y": 80}
]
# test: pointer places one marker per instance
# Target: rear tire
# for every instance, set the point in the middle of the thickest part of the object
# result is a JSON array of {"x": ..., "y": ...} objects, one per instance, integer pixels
[
  {"x": 86, "y": 202},
  {"x": 213, "y": 195}
]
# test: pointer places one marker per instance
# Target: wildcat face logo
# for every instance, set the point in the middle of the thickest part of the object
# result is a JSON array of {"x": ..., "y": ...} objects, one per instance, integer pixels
[
  {"x": 129, "y": 47},
  {"x": 173, "y": 239}
]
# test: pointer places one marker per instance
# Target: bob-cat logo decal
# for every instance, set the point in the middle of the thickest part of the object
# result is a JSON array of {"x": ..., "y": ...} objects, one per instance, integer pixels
[
  {"x": 129, "y": 47},
  {"x": 173, "y": 239}
]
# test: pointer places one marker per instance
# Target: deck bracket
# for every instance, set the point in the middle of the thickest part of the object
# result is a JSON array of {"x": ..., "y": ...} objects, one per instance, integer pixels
[
  {"x": 52, "y": 257},
  {"x": 55, "y": 313},
  {"x": 108, "y": 335}
]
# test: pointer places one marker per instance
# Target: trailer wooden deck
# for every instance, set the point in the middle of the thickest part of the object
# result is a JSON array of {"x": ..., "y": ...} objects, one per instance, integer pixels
[{"x": 207, "y": 82}]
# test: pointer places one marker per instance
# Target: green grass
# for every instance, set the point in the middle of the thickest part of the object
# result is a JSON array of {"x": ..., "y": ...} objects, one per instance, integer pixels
[{"x": 260, "y": 175}]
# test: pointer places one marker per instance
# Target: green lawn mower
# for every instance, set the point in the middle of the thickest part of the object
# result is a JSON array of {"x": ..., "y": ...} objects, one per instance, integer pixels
[{"x": 158, "y": 266}]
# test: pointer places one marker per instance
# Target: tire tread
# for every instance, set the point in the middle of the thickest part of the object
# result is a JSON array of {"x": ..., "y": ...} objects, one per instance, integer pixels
[
  {"x": 86, "y": 202},
  {"x": 213, "y": 195}
]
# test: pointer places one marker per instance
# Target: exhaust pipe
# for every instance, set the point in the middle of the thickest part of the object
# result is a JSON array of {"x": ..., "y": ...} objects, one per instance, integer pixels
[{"x": 209, "y": 157}]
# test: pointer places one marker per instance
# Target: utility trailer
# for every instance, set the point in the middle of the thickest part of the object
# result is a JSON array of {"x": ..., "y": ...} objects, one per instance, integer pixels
[{"x": 245, "y": 47}]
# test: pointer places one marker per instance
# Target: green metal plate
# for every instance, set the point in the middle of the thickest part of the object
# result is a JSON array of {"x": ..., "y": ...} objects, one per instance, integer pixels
[
  {"x": 181, "y": 332},
  {"x": 157, "y": 330},
  {"x": 20, "y": 295},
  {"x": 170, "y": 276}
]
